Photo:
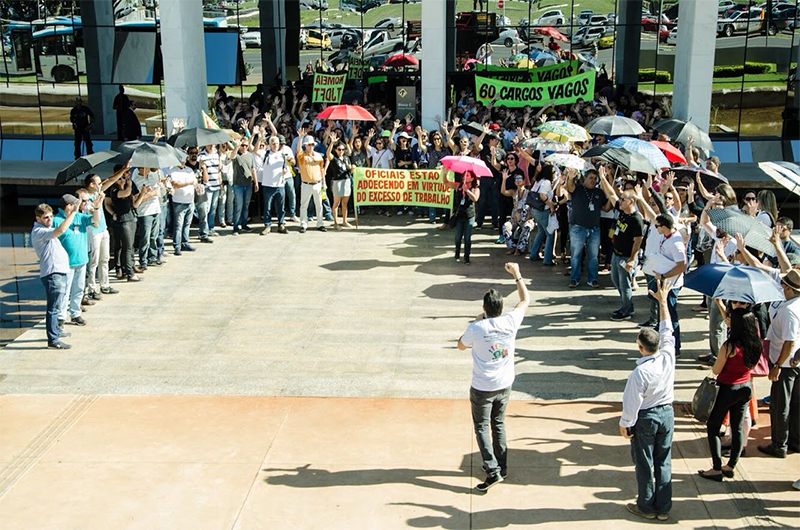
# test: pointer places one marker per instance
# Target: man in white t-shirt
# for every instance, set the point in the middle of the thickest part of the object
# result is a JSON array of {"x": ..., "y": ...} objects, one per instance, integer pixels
[
  {"x": 492, "y": 336},
  {"x": 147, "y": 181},
  {"x": 182, "y": 180},
  {"x": 784, "y": 358},
  {"x": 672, "y": 247},
  {"x": 274, "y": 172}
]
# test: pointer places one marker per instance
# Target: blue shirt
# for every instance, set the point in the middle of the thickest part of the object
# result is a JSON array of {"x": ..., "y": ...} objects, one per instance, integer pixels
[
  {"x": 74, "y": 239},
  {"x": 52, "y": 256},
  {"x": 101, "y": 225}
]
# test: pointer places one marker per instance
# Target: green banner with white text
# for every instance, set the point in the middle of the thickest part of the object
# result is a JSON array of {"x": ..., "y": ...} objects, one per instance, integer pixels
[
  {"x": 328, "y": 88},
  {"x": 540, "y": 74},
  {"x": 516, "y": 95},
  {"x": 394, "y": 187}
]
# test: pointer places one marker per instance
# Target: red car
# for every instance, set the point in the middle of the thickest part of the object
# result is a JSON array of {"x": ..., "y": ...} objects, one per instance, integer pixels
[
  {"x": 663, "y": 33},
  {"x": 651, "y": 23}
]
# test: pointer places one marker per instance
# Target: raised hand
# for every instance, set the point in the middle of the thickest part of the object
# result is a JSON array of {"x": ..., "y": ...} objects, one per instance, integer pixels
[{"x": 397, "y": 124}]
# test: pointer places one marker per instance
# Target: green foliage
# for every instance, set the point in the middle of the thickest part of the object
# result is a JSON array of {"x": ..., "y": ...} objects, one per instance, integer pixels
[
  {"x": 738, "y": 70},
  {"x": 649, "y": 74}
]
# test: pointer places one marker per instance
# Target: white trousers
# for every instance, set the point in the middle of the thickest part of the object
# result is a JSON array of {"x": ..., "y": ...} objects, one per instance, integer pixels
[
  {"x": 306, "y": 191},
  {"x": 98, "y": 260}
]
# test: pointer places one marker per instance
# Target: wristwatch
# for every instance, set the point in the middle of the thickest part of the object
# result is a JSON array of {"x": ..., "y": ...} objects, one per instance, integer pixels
[{"x": 518, "y": 279}]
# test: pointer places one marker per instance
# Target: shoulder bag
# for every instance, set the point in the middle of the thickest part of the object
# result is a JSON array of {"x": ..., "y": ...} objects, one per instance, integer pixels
[{"x": 704, "y": 399}]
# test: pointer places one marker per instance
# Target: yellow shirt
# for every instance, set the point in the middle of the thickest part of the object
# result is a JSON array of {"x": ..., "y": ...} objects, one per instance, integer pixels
[{"x": 310, "y": 166}]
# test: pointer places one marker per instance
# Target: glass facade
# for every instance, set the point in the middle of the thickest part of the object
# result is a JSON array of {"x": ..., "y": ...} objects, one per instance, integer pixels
[{"x": 45, "y": 51}]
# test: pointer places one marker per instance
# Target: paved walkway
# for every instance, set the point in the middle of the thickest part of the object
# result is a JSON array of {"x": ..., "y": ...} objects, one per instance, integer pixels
[{"x": 219, "y": 393}]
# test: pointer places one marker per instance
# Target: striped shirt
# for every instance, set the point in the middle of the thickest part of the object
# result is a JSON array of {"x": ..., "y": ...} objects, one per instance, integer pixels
[{"x": 211, "y": 160}]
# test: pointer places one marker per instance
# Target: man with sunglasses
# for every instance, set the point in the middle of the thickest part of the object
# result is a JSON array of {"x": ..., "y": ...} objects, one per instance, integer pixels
[
  {"x": 310, "y": 163},
  {"x": 245, "y": 183},
  {"x": 201, "y": 203}
]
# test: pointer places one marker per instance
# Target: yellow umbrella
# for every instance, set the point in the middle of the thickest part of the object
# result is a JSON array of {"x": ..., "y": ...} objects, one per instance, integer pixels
[{"x": 526, "y": 63}]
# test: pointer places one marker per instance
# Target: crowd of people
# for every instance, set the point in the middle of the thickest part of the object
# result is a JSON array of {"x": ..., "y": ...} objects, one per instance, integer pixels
[{"x": 603, "y": 218}]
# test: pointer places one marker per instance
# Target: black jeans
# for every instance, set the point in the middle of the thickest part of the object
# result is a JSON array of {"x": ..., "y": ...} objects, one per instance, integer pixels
[
  {"x": 733, "y": 399},
  {"x": 784, "y": 410},
  {"x": 489, "y": 409},
  {"x": 463, "y": 231},
  {"x": 84, "y": 136},
  {"x": 126, "y": 234}
]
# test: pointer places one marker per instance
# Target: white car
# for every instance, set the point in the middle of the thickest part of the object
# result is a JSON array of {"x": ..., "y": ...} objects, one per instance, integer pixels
[
  {"x": 672, "y": 38},
  {"x": 508, "y": 37},
  {"x": 724, "y": 5},
  {"x": 587, "y": 35},
  {"x": 337, "y": 34},
  {"x": 252, "y": 39},
  {"x": 382, "y": 43},
  {"x": 389, "y": 23},
  {"x": 550, "y": 18},
  {"x": 584, "y": 16},
  {"x": 315, "y": 5}
]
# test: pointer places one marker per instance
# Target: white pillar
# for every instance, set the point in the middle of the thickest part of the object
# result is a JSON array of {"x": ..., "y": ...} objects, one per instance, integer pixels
[
  {"x": 183, "y": 51},
  {"x": 434, "y": 62},
  {"x": 694, "y": 61}
]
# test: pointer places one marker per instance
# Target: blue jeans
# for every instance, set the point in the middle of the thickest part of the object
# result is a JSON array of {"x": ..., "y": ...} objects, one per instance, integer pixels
[
  {"x": 225, "y": 204},
  {"x": 622, "y": 281},
  {"x": 148, "y": 236},
  {"x": 201, "y": 209},
  {"x": 463, "y": 229},
  {"x": 651, "y": 451},
  {"x": 162, "y": 229},
  {"x": 182, "y": 220},
  {"x": 269, "y": 193},
  {"x": 672, "y": 307},
  {"x": 291, "y": 196},
  {"x": 241, "y": 205},
  {"x": 55, "y": 288},
  {"x": 487, "y": 201},
  {"x": 211, "y": 200},
  {"x": 75, "y": 284},
  {"x": 580, "y": 237},
  {"x": 542, "y": 219},
  {"x": 489, "y": 409}
]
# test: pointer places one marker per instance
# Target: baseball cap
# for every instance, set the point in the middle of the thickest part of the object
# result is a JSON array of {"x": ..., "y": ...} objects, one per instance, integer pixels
[
  {"x": 494, "y": 127},
  {"x": 408, "y": 128},
  {"x": 68, "y": 198}
]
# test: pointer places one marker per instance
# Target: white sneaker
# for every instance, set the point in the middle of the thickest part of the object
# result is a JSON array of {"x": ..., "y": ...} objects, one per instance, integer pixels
[{"x": 295, "y": 219}]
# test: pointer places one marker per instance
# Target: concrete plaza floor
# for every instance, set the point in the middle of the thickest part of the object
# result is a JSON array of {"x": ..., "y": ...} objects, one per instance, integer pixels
[{"x": 312, "y": 381}]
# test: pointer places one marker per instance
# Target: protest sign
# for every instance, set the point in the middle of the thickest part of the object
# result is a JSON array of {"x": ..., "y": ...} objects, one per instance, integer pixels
[
  {"x": 394, "y": 187},
  {"x": 356, "y": 66},
  {"x": 328, "y": 88},
  {"x": 516, "y": 95},
  {"x": 540, "y": 74}
]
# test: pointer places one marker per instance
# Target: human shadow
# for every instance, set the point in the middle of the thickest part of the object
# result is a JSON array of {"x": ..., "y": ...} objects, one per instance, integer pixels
[{"x": 365, "y": 265}]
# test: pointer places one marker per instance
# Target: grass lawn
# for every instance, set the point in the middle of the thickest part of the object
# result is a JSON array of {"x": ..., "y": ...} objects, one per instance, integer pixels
[{"x": 732, "y": 83}]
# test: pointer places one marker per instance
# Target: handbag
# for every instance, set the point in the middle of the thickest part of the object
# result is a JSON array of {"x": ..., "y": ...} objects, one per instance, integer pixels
[
  {"x": 704, "y": 398},
  {"x": 761, "y": 369},
  {"x": 535, "y": 201}
]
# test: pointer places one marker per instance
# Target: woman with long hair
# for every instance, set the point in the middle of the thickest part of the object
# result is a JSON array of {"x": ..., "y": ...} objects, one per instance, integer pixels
[
  {"x": 737, "y": 356},
  {"x": 467, "y": 192},
  {"x": 767, "y": 208},
  {"x": 543, "y": 187},
  {"x": 517, "y": 230},
  {"x": 338, "y": 171}
]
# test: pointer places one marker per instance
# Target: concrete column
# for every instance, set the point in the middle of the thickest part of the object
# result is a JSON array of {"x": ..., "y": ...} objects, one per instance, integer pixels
[
  {"x": 694, "y": 62},
  {"x": 628, "y": 43},
  {"x": 98, "y": 39},
  {"x": 183, "y": 52},
  {"x": 434, "y": 62},
  {"x": 450, "y": 32},
  {"x": 273, "y": 38}
]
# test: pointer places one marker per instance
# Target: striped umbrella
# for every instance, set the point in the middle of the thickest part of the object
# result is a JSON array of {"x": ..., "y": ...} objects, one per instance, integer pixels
[
  {"x": 786, "y": 174},
  {"x": 564, "y": 131},
  {"x": 566, "y": 160},
  {"x": 544, "y": 144},
  {"x": 646, "y": 149}
]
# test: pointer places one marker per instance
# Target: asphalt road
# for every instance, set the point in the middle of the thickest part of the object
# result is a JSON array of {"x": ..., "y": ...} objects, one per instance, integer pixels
[{"x": 253, "y": 56}]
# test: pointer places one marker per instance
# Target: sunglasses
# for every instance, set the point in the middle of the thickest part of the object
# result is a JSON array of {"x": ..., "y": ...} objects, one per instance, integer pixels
[
  {"x": 668, "y": 197},
  {"x": 749, "y": 198}
]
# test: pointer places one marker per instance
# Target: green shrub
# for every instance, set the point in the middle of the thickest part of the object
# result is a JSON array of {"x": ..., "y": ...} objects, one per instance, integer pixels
[
  {"x": 649, "y": 74},
  {"x": 739, "y": 70}
]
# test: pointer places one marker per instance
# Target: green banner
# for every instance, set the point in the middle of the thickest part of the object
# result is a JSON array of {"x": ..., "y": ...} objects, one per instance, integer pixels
[
  {"x": 328, "y": 88},
  {"x": 541, "y": 74},
  {"x": 356, "y": 66},
  {"x": 394, "y": 187},
  {"x": 516, "y": 95}
]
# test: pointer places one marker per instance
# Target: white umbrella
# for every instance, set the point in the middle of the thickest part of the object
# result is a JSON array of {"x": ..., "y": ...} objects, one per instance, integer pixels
[
  {"x": 784, "y": 173},
  {"x": 566, "y": 160}
]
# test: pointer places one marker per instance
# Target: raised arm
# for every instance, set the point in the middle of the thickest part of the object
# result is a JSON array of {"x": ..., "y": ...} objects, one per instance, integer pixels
[
  {"x": 70, "y": 210},
  {"x": 707, "y": 195},
  {"x": 522, "y": 289},
  {"x": 608, "y": 189}
]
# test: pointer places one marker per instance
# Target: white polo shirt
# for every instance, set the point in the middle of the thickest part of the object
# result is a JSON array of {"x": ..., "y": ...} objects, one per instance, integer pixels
[
  {"x": 151, "y": 206},
  {"x": 785, "y": 326},
  {"x": 492, "y": 341},
  {"x": 674, "y": 249},
  {"x": 272, "y": 171}
]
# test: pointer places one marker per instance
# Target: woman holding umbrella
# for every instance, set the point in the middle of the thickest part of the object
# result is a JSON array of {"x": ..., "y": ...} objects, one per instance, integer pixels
[
  {"x": 737, "y": 356},
  {"x": 467, "y": 194}
]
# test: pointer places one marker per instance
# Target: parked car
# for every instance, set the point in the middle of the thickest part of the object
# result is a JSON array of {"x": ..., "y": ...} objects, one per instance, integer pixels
[
  {"x": 612, "y": 18},
  {"x": 383, "y": 43},
  {"x": 337, "y": 35},
  {"x": 252, "y": 39},
  {"x": 313, "y": 38},
  {"x": 316, "y": 5},
  {"x": 553, "y": 17},
  {"x": 587, "y": 35},
  {"x": 672, "y": 38},
  {"x": 781, "y": 20},
  {"x": 606, "y": 42},
  {"x": 724, "y": 5},
  {"x": 584, "y": 16},
  {"x": 663, "y": 33},
  {"x": 597, "y": 20},
  {"x": 651, "y": 24},
  {"x": 751, "y": 21},
  {"x": 508, "y": 37},
  {"x": 389, "y": 23}
]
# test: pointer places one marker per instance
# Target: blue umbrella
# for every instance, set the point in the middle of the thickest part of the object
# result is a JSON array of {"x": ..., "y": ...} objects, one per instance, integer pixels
[
  {"x": 646, "y": 149},
  {"x": 739, "y": 284}
]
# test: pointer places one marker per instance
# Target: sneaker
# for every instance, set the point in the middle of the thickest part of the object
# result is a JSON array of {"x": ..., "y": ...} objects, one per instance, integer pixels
[
  {"x": 87, "y": 301},
  {"x": 500, "y": 240},
  {"x": 771, "y": 451},
  {"x": 58, "y": 345},
  {"x": 504, "y": 473},
  {"x": 246, "y": 228},
  {"x": 322, "y": 229},
  {"x": 223, "y": 225},
  {"x": 573, "y": 285},
  {"x": 235, "y": 232},
  {"x": 94, "y": 296},
  {"x": 618, "y": 316},
  {"x": 108, "y": 290},
  {"x": 410, "y": 212},
  {"x": 467, "y": 261},
  {"x": 205, "y": 240},
  {"x": 213, "y": 233},
  {"x": 593, "y": 285},
  {"x": 634, "y": 509},
  {"x": 662, "y": 516},
  {"x": 646, "y": 324},
  {"x": 489, "y": 482},
  {"x": 188, "y": 248},
  {"x": 176, "y": 252},
  {"x": 399, "y": 213},
  {"x": 282, "y": 229},
  {"x": 78, "y": 321},
  {"x": 64, "y": 335},
  {"x": 294, "y": 219},
  {"x": 302, "y": 229},
  {"x": 265, "y": 231},
  {"x": 766, "y": 400}
]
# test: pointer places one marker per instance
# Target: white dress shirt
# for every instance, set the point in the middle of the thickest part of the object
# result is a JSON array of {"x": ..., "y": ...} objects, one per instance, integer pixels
[{"x": 652, "y": 382}]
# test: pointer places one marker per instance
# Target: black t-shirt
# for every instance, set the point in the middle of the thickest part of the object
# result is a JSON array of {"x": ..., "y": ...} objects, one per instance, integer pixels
[
  {"x": 123, "y": 206},
  {"x": 586, "y": 206},
  {"x": 337, "y": 168},
  {"x": 627, "y": 228},
  {"x": 402, "y": 155}
]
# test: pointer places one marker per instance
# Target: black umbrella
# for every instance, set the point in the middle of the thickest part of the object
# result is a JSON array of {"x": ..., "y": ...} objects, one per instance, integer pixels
[
  {"x": 756, "y": 234},
  {"x": 710, "y": 180},
  {"x": 84, "y": 164},
  {"x": 199, "y": 136},
  {"x": 680, "y": 131},
  {"x": 473, "y": 127},
  {"x": 143, "y": 154},
  {"x": 621, "y": 157},
  {"x": 596, "y": 151},
  {"x": 614, "y": 126}
]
